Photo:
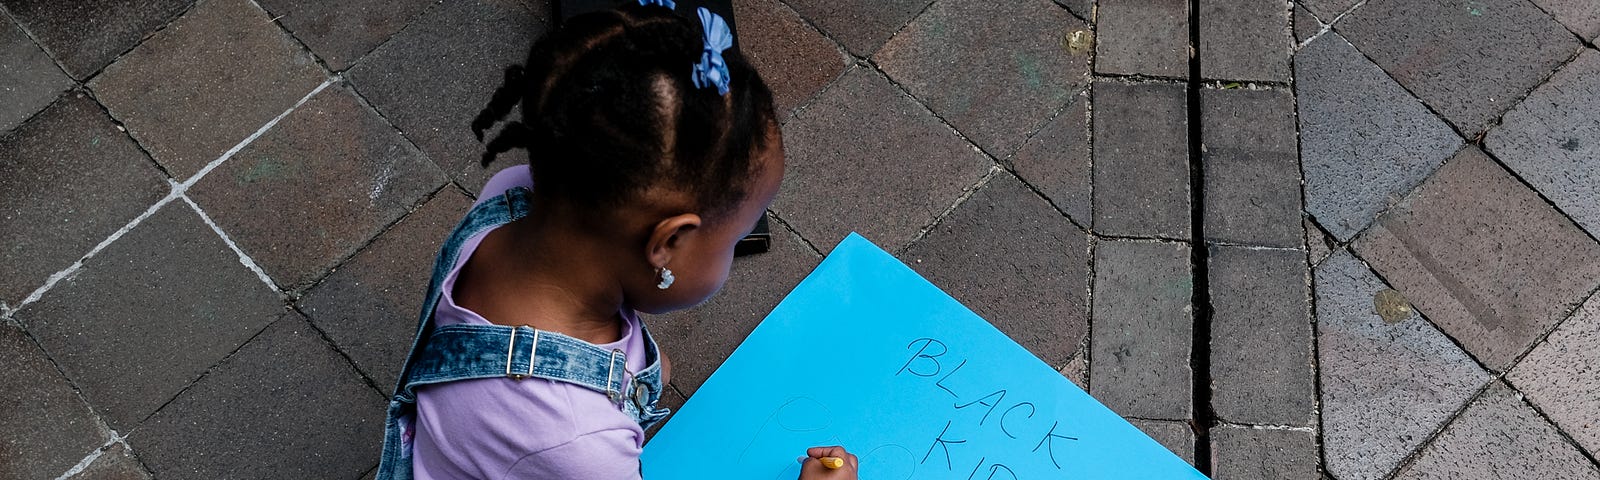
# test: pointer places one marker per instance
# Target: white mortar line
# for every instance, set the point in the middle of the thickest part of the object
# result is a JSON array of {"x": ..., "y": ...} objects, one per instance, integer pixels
[
  {"x": 240, "y": 146},
  {"x": 243, "y": 259},
  {"x": 95, "y": 455},
  {"x": 178, "y": 190}
]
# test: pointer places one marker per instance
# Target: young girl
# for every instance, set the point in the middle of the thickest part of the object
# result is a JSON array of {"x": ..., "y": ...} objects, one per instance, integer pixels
[{"x": 652, "y": 155}]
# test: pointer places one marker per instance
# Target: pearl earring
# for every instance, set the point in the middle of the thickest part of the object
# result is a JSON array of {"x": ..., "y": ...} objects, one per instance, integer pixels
[{"x": 666, "y": 279}]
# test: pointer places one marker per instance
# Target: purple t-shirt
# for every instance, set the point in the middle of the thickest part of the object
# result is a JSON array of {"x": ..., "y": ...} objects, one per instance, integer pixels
[{"x": 496, "y": 428}]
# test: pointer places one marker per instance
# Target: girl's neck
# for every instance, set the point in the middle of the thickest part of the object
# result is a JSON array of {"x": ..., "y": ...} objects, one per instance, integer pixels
[{"x": 535, "y": 273}]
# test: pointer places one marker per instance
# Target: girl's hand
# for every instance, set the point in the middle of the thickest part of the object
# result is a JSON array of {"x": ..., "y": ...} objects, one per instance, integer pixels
[{"x": 813, "y": 469}]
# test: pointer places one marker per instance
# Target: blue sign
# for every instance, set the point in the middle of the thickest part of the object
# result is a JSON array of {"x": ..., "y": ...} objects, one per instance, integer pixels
[{"x": 867, "y": 354}]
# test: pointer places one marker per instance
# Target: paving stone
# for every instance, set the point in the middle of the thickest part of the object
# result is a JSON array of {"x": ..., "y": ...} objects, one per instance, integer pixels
[
  {"x": 1306, "y": 24},
  {"x": 68, "y": 179},
  {"x": 1176, "y": 436},
  {"x": 1252, "y": 167},
  {"x": 794, "y": 58},
  {"x": 1143, "y": 321},
  {"x": 342, "y": 32},
  {"x": 1580, "y": 16},
  {"x": 1385, "y": 388},
  {"x": 1083, "y": 9},
  {"x": 1077, "y": 369},
  {"x": 1562, "y": 376},
  {"x": 1318, "y": 244},
  {"x": 1057, "y": 161},
  {"x": 285, "y": 406},
  {"x": 1142, "y": 37},
  {"x": 205, "y": 83},
  {"x": 699, "y": 339},
  {"x": 1015, "y": 261},
  {"x": 46, "y": 428},
  {"x": 1364, "y": 141},
  {"x": 433, "y": 78},
  {"x": 1328, "y": 9},
  {"x": 1484, "y": 257},
  {"x": 1141, "y": 160},
  {"x": 1261, "y": 342},
  {"x": 29, "y": 79},
  {"x": 886, "y": 188},
  {"x": 1552, "y": 140},
  {"x": 995, "y": 70},
  {"x": 164, "y": 303},
  {"x": 861, "y": 25},
  {"x": 1468, "y": 59},
  {"x": 86, "y": 35},
  {"x": 369, "y": 305},
  {"x": 1245, "y": 40},
  {"x": 115, "y": 463},
  {"x": 333, "y": 173},
  {"x": 1248, "y": 453},
  {"x": 1499, "y": 436}
]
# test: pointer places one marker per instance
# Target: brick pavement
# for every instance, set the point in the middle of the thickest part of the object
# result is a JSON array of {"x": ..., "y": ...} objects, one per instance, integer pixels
[{"x": 200, "y": 200}]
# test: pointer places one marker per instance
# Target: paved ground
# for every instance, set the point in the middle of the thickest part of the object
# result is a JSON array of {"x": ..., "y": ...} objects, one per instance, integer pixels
[{"x": 216, "y": 216}]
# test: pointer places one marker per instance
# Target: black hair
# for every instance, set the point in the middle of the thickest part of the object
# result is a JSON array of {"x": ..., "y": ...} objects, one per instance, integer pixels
[{"x": 609, "y": 109}]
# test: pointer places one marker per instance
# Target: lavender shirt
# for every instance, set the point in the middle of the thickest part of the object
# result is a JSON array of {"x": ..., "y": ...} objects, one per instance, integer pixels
[{"x": 534, "y": 428}]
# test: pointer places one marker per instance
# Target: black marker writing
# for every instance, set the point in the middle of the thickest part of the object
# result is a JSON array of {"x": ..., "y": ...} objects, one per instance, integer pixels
[
  {"x": 1003, "y": 416},
  {"x": 922, "y": 354},
  {"x": 1049, "y": 443},
  {"x": 946, "y": 376},
  {"x": 993, "y": 470},
  {"x": 939, "y": 442},
  {"x": 998, "y": 397}
]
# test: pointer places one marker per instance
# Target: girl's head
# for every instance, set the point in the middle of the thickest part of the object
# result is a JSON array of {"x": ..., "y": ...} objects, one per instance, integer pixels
[{"x": 625, "y": 147}]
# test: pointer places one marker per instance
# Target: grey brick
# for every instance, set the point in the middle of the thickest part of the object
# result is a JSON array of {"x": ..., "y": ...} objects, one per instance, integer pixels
[
  {"x": 284, "y": 406},
  {"x": 1058, "y": 163},
  {"x": 1318, "y": 244},
  {"x": 1385, "y": 387},
  {"x": 1484, "y": 257},
  {"x": 68, "y": 180},
  {"x": 1142, "y": 37},
  {"x": 1328, "y": 9},
  {"x": 1143, "y": 323},
  {"x": 1252, "y": 167},
  {"x": 1552, "y": 140},
  {"x": 46, "y": 428},
  {"x": 794, "y": 58},
  {"x": 87, "y": 35},
  {"x": 1261, "y": 370},
  {"x": 369, "y": 305},
  {"x": 1247, "y": 453},
  {"x": 1176, "y": 436},
  {"x": 433, "y": 78},
  {"x": 115, "y": 463},
  {"x": 995, "y": 70},
  {"x": 1364, "y": 141},
  {"x": 862, "y": 26},
  {"x": 164, "y": 302},
  {"x": 1015, "y": 261},
  {"x": 1580, "y": 16},
  {"x": 30, "y": 79},
  {"x": 865, "y": 157},
  {"x": 1499, "y": 436},
  {"x": 332, "y": 175},
  {"x": 1562, "y": 376},
  {"x": 342, "y": 32},
  {"x": 1305, "y": 23},
  {"x": 1244, "y": 40},
  {"x": 1141, "y": 160},
  {"x": 189, "y": 96},
  {"x": 1468, "y": 59}
]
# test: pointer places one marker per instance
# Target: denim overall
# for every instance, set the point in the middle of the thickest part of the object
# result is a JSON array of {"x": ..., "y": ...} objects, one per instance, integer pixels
[{"x": 461, "y": 352}]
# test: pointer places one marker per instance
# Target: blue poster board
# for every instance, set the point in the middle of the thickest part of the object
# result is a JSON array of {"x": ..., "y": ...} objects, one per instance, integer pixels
[{"x": 928, "y": 390}]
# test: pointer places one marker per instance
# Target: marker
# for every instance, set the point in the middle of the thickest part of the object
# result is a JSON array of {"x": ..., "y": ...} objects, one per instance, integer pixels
[{"x": 833, "y": 463}]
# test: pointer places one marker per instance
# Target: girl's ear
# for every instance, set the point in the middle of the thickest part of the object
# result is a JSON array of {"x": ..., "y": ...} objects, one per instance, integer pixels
[{"x": 669, "y": 237}]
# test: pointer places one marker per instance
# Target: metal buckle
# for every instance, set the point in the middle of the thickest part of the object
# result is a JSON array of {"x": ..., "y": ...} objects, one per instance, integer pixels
[
  {"x": 614, "y": 394},
  {"x": 639, "y": 393},
  {"x": 511, "y": 355}
]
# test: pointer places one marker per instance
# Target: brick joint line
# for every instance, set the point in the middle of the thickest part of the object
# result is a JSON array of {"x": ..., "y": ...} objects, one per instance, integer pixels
[
  {"x": 1200, "y": 352},
  {"x": 244, "y": 259},
  {"x": 89, "y": 459}
]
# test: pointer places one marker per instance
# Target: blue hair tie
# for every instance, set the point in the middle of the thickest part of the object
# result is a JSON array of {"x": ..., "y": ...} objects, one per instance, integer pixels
[
  {"x": 664, "y": 3},
  {"x": 713, "y": 69}
]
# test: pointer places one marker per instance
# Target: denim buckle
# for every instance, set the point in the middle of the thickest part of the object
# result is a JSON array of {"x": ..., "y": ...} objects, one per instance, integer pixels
[{"x": 615, "y": 393}]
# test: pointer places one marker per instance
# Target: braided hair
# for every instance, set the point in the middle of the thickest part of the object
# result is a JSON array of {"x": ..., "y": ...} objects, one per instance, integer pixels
[{"x": 609, "y": 109}]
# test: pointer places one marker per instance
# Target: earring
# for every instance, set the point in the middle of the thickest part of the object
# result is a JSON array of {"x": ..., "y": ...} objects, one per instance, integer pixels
[{"x": 666, "y": 279}]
